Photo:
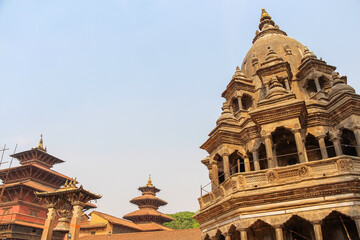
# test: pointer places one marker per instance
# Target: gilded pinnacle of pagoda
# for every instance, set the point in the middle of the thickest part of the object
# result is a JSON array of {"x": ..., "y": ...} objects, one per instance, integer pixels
[
  {"x": 41, "y": 144},
  {"x": 149, "y": 183},
  {"x": 264, "y": 14}
]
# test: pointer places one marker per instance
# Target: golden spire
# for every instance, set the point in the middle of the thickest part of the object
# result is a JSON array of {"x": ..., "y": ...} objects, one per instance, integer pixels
[
  {"x": 264, "y": 14},
  {"x": 41, "y": 144},
  {"x": 149, "y": 183}
]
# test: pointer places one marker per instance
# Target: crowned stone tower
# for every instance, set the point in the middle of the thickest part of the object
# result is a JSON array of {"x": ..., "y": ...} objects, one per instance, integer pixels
[{"x": 284, "y": 155}]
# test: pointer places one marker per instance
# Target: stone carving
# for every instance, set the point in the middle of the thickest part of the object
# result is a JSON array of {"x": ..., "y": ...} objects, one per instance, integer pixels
[
  {"x": 303, "y": 171},
  {"x": 272, "y": 176},
  {"x": 345, "y": 165}
]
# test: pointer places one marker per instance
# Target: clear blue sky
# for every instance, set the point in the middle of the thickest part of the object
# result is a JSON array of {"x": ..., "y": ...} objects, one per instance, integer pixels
[{"x": 122, "y": 89}]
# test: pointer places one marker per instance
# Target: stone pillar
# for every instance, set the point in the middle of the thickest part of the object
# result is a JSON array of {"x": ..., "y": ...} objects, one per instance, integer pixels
[
  {"x": 240, "y": 102},
  {"x": 269, "y": 152},
  {"x": 356, "y": 131},
  {"x": 243, "y": 234},
  {"x": 267, "y": 87},
  {"x": 256, "y": 160},
  {"x": 76, "y": 220},
  {"x": 247, "y": 164},
  {"x": 274, "y": 156},
  {"x": 317, "y": 84},
  {"x": 337, "y": 145},
  {"x": 317, "y": 230},
  {"x": 299, "y": 145},
  {"x": 279, "y": 233},
  {"x": 215, "y": 174},
  {"x": 287, "y": 85},
  {"x": 226, "y": 165},
  {"x": 49, "y": 223},
  {"x": 324, "y": 154}
]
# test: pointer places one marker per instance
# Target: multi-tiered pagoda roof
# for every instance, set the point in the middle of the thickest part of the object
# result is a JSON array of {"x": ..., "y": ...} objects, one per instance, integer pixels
[{"x": 148, "y": 205}]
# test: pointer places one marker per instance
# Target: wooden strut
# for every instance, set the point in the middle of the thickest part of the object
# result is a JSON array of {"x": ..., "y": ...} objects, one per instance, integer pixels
[{"x": 347, "y": 233}]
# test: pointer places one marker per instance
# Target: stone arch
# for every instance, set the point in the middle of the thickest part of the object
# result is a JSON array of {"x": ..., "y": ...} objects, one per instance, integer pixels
[
  {"x": 235, "y": 105},
  {"x": 284, "y": 147},
  {"x": 236, "y": 163},
  {"x": 206, "y": 237},
  {"x": 329, "y": 145},
  {"x": 262, "y": 157},
  {"x": 220, "y": 165},
  {"x": 348, "y": 142},
  {"x": 298, "y": 228},
  {"x": 234, "y": 233},
  {"x": 261, "y": 230},
  {"x": 312, "y": 147},
  {"x": 219, "y": 235},
  {"x": 246, "y": 102},
  {"x": 339, "y": 226}
]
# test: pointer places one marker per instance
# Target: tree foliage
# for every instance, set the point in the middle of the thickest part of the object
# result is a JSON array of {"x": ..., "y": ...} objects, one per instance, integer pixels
[{"x": 182, "y": 220}]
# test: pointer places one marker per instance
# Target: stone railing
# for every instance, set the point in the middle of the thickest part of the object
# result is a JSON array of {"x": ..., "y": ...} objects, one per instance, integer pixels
[{"x": 280, "y": 175}]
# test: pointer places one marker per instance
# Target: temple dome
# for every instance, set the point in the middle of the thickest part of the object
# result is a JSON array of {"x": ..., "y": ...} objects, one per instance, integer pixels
[{"x": 271, "y": 37}]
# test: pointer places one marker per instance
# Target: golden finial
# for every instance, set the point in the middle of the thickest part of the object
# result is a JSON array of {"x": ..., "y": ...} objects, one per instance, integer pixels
[
  {"x": 149, "y": 184},
  {"x": 41, "y": 145},
  {"x": 66, "y": 183},
  {"x": 264, "y": 14}
]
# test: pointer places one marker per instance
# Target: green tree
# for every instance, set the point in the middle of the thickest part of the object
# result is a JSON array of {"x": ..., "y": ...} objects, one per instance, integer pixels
[{"x": 182, "y": 220}]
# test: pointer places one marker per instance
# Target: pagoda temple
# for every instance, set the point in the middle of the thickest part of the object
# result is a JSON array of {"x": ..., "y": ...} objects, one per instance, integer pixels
[
  {"x": 147, "y": 217},
  {"x": 284, "y": 156},
  {"x": 22, "y": 214}
]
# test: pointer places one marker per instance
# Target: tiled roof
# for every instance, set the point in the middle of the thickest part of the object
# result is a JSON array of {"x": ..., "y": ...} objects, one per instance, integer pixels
[
  {"x": 153, "y": 227},
  {"x": 31, "y": 184},
  {"x": 93, "y": 225},
  {"x": 117, "y": 221},
  {"x": 147, "y": 211},
  {"x": 187, "y": 234},
  {"x": 148, "y": 196}
]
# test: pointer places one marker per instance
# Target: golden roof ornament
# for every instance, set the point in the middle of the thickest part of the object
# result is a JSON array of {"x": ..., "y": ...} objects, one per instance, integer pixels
[
  {"x": 149, "y": 183},
  {"x": 264, "y": 14},
  {"x": 41, "y": 144}
]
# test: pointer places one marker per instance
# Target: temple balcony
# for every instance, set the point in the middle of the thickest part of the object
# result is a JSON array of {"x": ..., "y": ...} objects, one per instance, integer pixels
[{"x": 312, "y": 173}]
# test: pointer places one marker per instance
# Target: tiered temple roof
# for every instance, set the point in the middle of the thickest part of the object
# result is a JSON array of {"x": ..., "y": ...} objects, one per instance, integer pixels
[{"x": 148, "y": 204}]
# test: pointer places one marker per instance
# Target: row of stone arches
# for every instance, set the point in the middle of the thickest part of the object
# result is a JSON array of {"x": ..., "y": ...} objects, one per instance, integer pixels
[
  {"x": 335, "y": 226},
  {"x": 285, "y": 149}
]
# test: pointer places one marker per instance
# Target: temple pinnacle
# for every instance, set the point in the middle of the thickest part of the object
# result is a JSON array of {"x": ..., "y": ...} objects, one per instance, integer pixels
[
  {"x": 41, "y": 144},
  {"x": 149, "y": 183},
  {"x": 264, "y": 14}
]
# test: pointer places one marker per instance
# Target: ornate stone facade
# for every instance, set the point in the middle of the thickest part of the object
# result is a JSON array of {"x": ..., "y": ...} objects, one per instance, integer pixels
[{"x": 284, "y": 156}]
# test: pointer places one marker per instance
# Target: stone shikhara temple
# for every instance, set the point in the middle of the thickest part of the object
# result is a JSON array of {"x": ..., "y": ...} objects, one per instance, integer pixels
[{"x": 284, "y": 157}]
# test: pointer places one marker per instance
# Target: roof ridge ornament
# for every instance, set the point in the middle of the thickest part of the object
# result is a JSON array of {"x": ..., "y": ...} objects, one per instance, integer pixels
[
  {"x": 149, "y": 183},
  {"x": 307, "y": 54},
  {"x": 41, "y": 144}
]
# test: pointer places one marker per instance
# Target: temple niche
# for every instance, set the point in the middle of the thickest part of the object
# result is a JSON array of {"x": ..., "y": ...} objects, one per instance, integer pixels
[{"x": 284, "y": 156}]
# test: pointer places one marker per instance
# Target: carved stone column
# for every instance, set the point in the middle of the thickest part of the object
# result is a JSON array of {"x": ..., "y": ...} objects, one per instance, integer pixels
[
  {"x": 243, "y": 234},
  {"x": 274, "y": 156},
  {"x": 335, "y": 138},
  {"x": 76, "y": 220},
  {"x": 49, "y": 223},
  {"x": 215, "y": 174},
  {"x": 279, "y": 233},
  {"x": 247, "y": 164},
  {"x": 317, "y": 230},
  {"x": 299, "y": 145},
  {"x": 269, "y": 152},
  {"x": 321, "y": 140},
  {"x": 225, "y": 158},
  {"x": 240, "y": 102},
  {"x": 287, "y": 85},
  {"x": 317, "y": 84},
  {"x": 256, "y": 160}
]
